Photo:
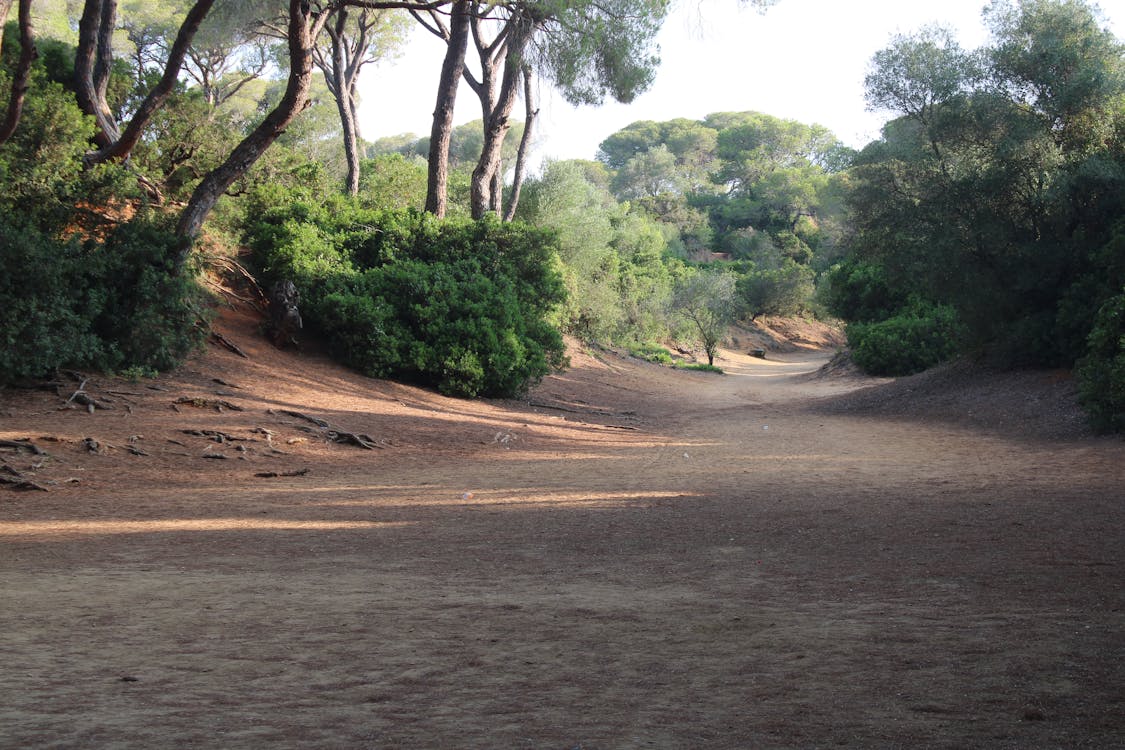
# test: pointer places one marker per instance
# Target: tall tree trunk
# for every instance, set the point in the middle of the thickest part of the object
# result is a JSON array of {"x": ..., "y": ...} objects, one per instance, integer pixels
[
  {"x": 303, "y": 28},
  {"x": 353, "y": 119},
  {"x": 530, "y": 113},
  {"x": 495, "y": 201},
  {"x": 341, "y": 86},
  {"x": 103, "y": 63},
  {"x": 123, "y": 146},
  {"x": 437, "y": 183},
  {"x": 91, "y": 70},
  {"x": 22, "y": 75},
  {"x": 351, "y": 145},
  {"x": 499, "y": 122}
]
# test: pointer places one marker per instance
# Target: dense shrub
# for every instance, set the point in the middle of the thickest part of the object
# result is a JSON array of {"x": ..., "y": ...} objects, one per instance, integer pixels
[
  {"x": 149, "y": 312},
  {"x": 107, "y": 306},
  {"x": 920, "y": 337},
  {"x": 455, "y": 304},
  {"x": 860, "y": 291},
  {"x": 1101, "y": 373},
  {"x": 44, "y": 323},
  {"x": 784, "y": 290}
]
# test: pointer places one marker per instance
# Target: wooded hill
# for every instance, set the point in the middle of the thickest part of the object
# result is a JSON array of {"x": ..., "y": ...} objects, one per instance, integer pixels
[{"x": 986, "y": 221}]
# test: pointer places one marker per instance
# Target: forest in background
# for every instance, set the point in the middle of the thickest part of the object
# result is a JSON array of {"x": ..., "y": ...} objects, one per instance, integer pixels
[{"x": 985, "y": 222}]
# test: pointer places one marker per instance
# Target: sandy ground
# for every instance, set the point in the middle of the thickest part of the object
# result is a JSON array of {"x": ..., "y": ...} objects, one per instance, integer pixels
[{"x": 632, "y": 558}]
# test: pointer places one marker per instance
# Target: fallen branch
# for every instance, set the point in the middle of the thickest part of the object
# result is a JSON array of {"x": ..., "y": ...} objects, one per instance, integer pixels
[
  {"x": 22, "y": 484},
  {"x": 17, "y": 481},
  {"x": 25, "y": 445},
  {"x": 333, "y": 434},
  {"x": 315, "y": 420},
  {"x": 80, "y": 396},
  {"x": 81, "y": 389},
  {"x": 220, "y": 338},
  {"x": 352, "y": 438},
  {"x": 275, "y": 474},
  {"x": 205, "y": 403},
  {"x": 91, "y": 403},
  {"x": 218, "y": 437},
  {"x": 234, "y": 266}
]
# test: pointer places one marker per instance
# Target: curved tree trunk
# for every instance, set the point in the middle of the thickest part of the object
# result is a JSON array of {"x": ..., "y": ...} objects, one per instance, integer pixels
[
  {"x": 91, "y": 71},
  {"x": 303, "y": 28},
  {"x": 20, "y": 80},
  {"x": 124, "y": 145},
  {"x": 530, "y": 113},
  {"x": 437, "y": 183},
  {"x": 486, "y": 174}
]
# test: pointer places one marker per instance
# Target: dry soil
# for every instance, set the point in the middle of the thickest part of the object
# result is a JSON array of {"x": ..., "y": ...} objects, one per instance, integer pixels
[{"x": 633, "y": 557}]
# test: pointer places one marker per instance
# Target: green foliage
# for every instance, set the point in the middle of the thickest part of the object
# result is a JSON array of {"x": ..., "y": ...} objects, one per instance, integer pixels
[
  {"x": 757, "y": 187},
  {"x": 700, "y": 367},
  {"x": 456, "y": 304},
  {"x": 997, "y": 194},
  {"x": 707, "y": 301},
  {"x": 108, "y": 306},
  {"x": 860, "y": 291},
  {"x": 617, "y": 277},
  {"x": 45, "y": 324},
  {"x": 785, "y": 290},
  {"x": 914, "y": 340},
  {"x": 599, "y": 48},
  {"x": 1101, "y": 373},
  {"x": 392, "y": 181},
  {"x": 149, "y": 310},
  {"x": 651, "y": 353},
  {"x": 41, "y": 165}
]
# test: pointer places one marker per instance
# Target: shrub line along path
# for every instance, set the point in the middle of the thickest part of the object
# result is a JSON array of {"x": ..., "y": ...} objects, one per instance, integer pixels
[{"x": 773, "y": 558}]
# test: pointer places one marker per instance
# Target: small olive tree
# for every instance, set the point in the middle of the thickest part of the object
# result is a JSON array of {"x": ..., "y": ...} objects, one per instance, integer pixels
[{"x": 706, "y": 300}]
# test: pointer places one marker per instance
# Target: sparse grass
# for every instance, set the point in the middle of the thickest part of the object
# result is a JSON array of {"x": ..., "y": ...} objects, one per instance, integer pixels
[{"x": 700, "y": 367}]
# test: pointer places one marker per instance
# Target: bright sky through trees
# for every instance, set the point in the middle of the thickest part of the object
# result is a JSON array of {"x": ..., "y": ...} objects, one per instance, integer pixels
[{"x": 802, "y": 60}]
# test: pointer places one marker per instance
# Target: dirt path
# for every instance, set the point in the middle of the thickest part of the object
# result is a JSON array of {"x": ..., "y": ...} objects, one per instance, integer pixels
[{"x": 639, "y": 558}]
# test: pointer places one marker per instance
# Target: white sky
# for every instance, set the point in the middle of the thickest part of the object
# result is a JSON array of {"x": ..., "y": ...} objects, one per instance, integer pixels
[{"x": 803, "y": 60}]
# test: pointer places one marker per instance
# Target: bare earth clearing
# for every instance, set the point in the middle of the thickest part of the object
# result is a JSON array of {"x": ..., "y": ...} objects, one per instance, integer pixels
[{"x": 770, "y": 559}]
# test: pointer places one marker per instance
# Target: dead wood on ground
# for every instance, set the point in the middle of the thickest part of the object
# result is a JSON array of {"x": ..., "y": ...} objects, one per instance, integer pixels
[
  {"x": 333, "y": 434},
  {"x": 206, "y": 403}
]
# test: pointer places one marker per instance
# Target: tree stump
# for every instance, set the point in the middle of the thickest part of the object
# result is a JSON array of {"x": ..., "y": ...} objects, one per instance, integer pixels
[{"x": 285, "y": 315}]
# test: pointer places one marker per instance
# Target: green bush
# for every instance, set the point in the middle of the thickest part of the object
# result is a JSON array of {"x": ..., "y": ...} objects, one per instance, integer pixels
[
  {"x": 106, "y": 306},
  {"x": 150, "y": 312},
  {"x": 860, "y": 292},
  {"x": 700, "y": 367},
  {"x": 44, "y": 315},
  {"x": 1101, "y": 373},
  {"x": 651, "y": 353},
  {"x": 916, "y": 339},
  {"x": 456, "y": 304},
  {"x": 785, "y": 290}
]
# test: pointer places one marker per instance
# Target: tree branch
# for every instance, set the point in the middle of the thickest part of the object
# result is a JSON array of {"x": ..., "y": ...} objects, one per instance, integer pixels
[
  {"x": 302, "y": 31},
  {"x": 124, "y": 145},
  {"x": 22, "y": 73}
]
